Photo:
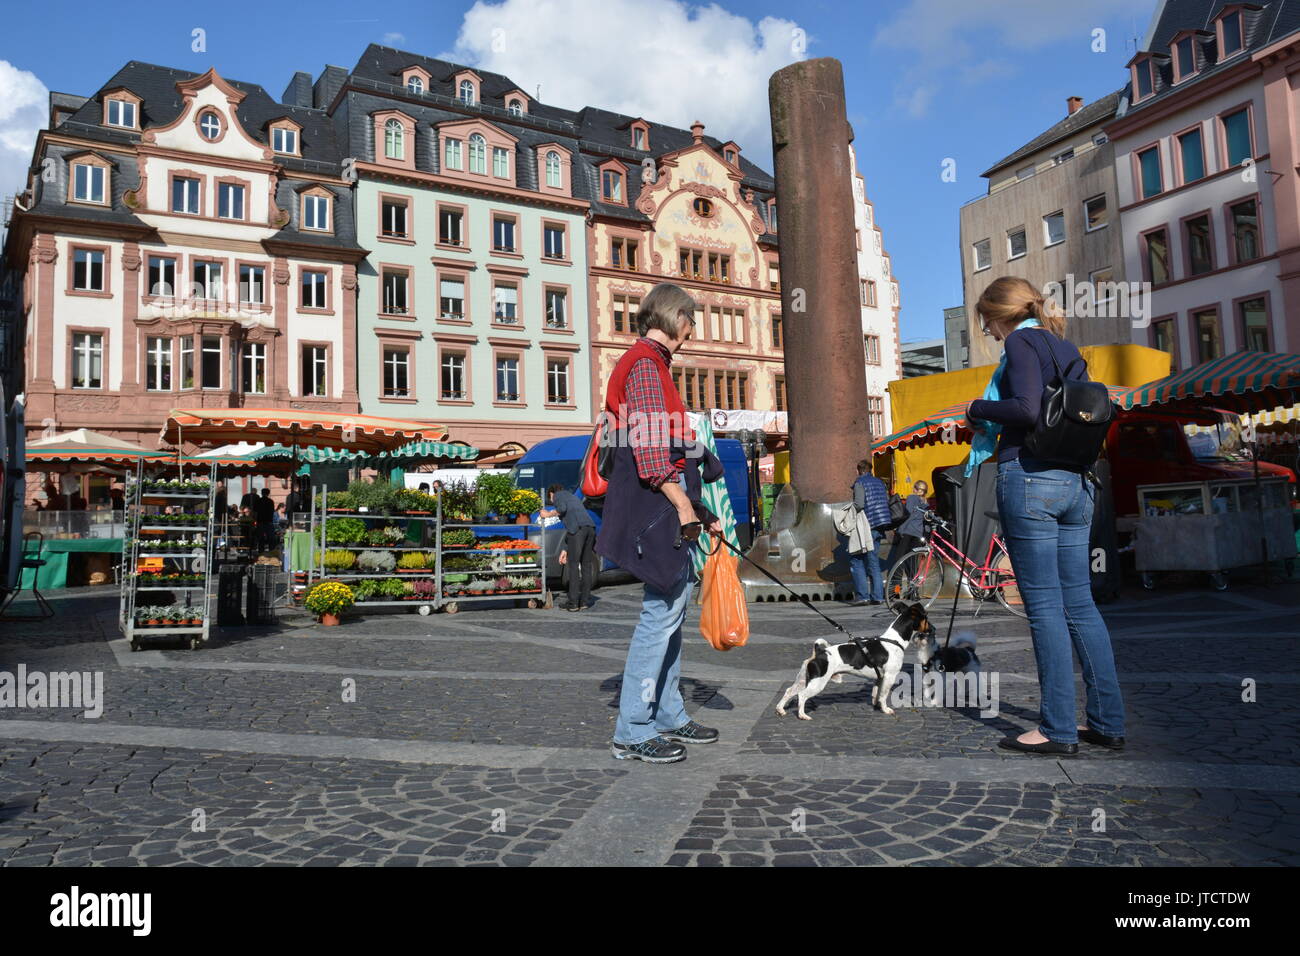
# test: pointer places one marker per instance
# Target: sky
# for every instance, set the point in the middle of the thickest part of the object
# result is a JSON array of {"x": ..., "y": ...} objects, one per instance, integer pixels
[{"x": 931, "y": 85}]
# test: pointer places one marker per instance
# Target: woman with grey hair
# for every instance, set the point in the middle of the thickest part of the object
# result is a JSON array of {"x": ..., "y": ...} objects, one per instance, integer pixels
[{"x": 651, "y": 520}]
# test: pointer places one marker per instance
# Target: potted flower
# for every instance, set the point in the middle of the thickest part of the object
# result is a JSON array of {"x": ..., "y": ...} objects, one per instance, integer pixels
[
  {"x": 329, "y": 599},
  {"x": 413, "y": 562}
]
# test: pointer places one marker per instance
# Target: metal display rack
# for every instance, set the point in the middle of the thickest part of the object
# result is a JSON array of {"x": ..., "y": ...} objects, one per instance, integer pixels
[
  {"x": 149, "y": 528},
  {"x": 447, "y": 595}
]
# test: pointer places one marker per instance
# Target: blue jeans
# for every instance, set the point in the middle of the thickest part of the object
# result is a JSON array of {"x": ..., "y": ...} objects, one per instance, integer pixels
[
  {"x": 866, "y": 565},
  {"x": 651, "y": 700},
  {"x": 1046, "y": 514}
]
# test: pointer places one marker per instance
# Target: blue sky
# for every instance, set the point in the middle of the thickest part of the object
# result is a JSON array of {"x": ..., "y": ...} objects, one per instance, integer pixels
[{"x": 927, "y": 80}]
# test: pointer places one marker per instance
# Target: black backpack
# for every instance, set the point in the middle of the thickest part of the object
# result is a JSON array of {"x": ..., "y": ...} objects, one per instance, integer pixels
[{"x": 1074, "y": 417}]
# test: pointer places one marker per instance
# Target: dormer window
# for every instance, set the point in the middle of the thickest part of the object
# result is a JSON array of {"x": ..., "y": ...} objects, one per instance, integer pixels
[
  {"x": 210, "y": 126},
  {"x": 284, "y": 138},
  {"x": 415, "y": 85},
  {"x": 88, "y": 180},
  {"x": 121, "y": 109},
  {"x": 1230, "y": 26},
  {"x": 611, "y": 185},
  {"x": 640, "y": 135},
  {"x": 1144, "y": 79},
  {"x": 731, "y": 153},
  {"x": 553, "y": 175},
  {"x": 1184, "y": 57},
  {"x": 467, "y": 91},
  {"x": 730, "y": 156},
  {"x": 515, "y": 107},
  {"x": 415, "y": 79},
  {"x": 121, "y": 113},
  {"x": 316, "y": 210},
  {"x": 394, "y": 140},
  {"x": 771, "y": 215}
]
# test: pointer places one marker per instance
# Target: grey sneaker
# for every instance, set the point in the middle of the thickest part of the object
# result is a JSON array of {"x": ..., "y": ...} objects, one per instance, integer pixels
[
  {"x": 692, "y": 733},
  {"x": 654, "y": 750}
]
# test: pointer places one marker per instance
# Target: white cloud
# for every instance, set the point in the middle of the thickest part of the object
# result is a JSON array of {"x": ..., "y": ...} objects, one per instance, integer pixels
[
  {"x": 24, "y": 104},
  {"x": 393, "y": 39},
  {"x": 952, "y": 42},
  {"x": 660, "y": 59}
]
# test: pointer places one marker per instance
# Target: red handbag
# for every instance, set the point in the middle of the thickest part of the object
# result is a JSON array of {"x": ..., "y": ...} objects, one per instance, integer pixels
[{"x": 598, "y": 460}]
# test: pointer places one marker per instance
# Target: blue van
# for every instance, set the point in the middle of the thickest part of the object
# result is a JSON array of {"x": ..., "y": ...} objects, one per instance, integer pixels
[{"x": 558, "y": 461}]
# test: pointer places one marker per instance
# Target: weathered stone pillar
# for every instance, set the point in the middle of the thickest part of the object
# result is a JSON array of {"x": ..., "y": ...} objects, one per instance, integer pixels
[{"x": 825, "y": 377}]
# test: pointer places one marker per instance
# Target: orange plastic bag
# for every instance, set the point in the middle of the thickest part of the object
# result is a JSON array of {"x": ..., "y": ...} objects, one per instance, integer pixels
[{"x": 724, "y": 616}]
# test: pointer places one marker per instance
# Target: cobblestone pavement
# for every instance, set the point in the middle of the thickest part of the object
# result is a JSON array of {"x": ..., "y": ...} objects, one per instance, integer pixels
[{"x": 482, "y": 739}]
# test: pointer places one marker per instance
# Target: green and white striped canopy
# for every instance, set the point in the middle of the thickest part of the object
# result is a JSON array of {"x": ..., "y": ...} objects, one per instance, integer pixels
[
  {"x": 714, "y": 496},
  {"x": 415, "y": 451}
]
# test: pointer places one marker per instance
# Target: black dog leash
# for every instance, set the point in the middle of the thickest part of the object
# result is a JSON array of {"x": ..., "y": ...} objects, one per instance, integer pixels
[{"x": 803, "y": 600}]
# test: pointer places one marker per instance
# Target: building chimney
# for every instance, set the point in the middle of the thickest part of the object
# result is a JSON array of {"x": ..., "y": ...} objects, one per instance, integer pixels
[
  {"x": 697, "y": 131},
  {"x": 1072, "y": 103}
]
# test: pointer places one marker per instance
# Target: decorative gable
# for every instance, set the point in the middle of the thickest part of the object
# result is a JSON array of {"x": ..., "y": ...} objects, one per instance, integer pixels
[{"x": 208, "y": 122}]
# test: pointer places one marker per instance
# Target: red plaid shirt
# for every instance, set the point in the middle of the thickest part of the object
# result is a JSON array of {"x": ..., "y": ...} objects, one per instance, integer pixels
[{"x": 644, "y": 393}]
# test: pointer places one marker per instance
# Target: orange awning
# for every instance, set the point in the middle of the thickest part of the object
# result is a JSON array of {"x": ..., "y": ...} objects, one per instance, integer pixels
[{"x": 338, "y": 430}]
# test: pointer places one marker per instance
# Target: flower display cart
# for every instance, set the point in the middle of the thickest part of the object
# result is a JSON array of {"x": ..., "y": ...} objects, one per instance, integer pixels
[
  {"x": 166, "y": 584},
  {"x": 393, "y": 556}
]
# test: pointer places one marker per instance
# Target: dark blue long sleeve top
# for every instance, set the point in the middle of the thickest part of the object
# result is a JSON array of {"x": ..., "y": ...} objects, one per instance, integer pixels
[{"x": 1027, "y": 371}]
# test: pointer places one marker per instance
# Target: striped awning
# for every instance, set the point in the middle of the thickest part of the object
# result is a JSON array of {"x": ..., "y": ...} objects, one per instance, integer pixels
[
  {"x": 948, "y": 425},
  {"x": 418, "y": 450},
  {"x": 337, "y": 430},
  {"x": 1245, "y": 381}
]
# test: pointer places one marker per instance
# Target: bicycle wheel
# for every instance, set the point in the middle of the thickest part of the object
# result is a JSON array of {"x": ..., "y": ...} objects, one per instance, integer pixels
[
  {"x": 917, "y": 577},
  {"x": 1008, "y": 594}
]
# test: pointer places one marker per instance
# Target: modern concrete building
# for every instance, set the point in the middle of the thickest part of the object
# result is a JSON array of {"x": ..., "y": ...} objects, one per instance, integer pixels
[
  {"x": 923, "y": 358},
  {"x": 956, "y": 338},
  {"x": 879, "y": 300},
  {"x": 1207, "y": 143},
  {"x": 1050, "y": 214}
]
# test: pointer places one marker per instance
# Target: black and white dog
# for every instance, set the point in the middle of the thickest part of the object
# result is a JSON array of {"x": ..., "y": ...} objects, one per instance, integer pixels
[
  {"x": 881, "y": 656},
  {"x": 958, "y": 657}
]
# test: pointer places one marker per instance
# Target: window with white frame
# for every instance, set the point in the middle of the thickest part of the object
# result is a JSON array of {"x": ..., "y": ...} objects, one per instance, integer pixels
[
  {"x": 500, "y": 162},
  {"x": 230, "y": 201},
  {"x": 452, "y": 384},
  {"x": 1054, "y": 228},
  {"x": 316, "y": 213},
  {"x": 466, "y": 91},
  {"x": 162, "y": 276},
  {"x": 507, "y": 378},
  {"x": 415, "y": 85},
  {"x": 871, "y": 344},
  {"x": 553, "y": 178},
  {"x": 210, "y": 125},
  {"x": 503, "y": 233},
  {"x": 394, "y": 140},
  {"x": 557, "y": 381},
  {"x": 253, "y": 367},
  {"x": 88, "y": 182},
  {"x": 210, "y": 361},
  {"x": 451, "y": 298},
  {"x": 451, "y": 154},
  {"x": 88, "y": 270},
  {"x": 314, "y": 359},
  {"x": 983, "y": 254},
  {"x": 206, "y": 277},
  {"x": 505, "y": 303},
  {"x": 185, "y": 195},
  {"x": 516, "y": 108},
  {"x": 396, "y": 373},
  {"x": 477, "y": 154},
  {"x": 87, "y": 360},
  {"x": 187, "y": 361},
  {"x": 252, "y": 284},
  {"x": 557, "y": 309},
  {"x": 553, "y": 241},
  {"x": 158, "y": 364},
  {"x": 121, "y": 113},
  {"x": 393, "y": 213},
  {"x": 395, "y": 291},
  {"x": 1016, "y": 243},
  {"x": 451, "y": 227},
  {"x": 284, "y": 140},
  {"x": 312, "y": 290}
]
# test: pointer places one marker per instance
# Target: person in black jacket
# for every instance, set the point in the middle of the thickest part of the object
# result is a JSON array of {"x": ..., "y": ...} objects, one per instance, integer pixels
[{"x": 1046, "y": 513}]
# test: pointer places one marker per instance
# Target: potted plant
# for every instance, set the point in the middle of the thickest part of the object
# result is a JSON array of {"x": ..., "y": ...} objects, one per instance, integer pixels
[
  {"x": 376, "y": 562},
  {"x": 394, "y": 589},
  {"x": 337, "y": 560},
  {"x": 328, "y": 600},
  {"x": 494, "y": 494},
  {"x": 345, "y": 531},
  {"x": 366, "y": 590},
  {"x": 413, "y": 562},
  {"x": 458, "y": 538}
]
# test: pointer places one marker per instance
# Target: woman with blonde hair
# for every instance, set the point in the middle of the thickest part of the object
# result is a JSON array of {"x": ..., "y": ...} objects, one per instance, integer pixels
[{"x": 1046, "y": 513}]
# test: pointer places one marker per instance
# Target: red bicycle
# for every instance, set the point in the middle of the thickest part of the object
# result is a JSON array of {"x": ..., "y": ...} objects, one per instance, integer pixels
[{"x": 919, "y": 575}]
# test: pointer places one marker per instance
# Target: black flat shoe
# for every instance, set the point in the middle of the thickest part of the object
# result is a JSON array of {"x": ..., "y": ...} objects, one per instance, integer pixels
[
  {"x": 1047, "y": 747},
  {"x": 1091, "y": 736}
]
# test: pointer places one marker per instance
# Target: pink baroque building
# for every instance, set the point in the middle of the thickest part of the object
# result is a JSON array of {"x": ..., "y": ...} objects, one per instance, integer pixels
[
  {"x": 1205, "y": 144},
  {"x": 187, "y": 241}
]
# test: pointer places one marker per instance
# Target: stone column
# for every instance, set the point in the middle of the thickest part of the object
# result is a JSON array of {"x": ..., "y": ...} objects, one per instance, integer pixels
[{"x": 825, "y": 377}]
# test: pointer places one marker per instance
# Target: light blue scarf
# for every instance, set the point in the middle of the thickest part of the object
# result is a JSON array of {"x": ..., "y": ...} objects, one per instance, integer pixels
[{"x": 984, "y": 443}]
